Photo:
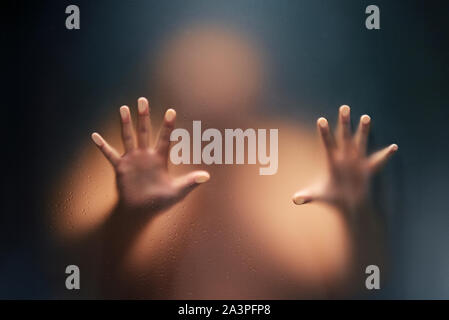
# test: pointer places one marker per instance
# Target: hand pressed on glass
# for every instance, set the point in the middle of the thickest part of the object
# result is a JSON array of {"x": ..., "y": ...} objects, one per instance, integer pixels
[
  {"x": 350, "y": 169},
  {"x": 142, "y": 176}
]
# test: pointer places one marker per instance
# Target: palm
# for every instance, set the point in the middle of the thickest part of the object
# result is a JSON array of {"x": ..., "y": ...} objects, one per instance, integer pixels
[
  {"x": 350, "y": 170},
  {"x": 143, "y": 181}
]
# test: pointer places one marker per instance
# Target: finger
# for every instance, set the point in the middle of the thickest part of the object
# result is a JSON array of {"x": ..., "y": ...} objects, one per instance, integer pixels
[
  {"x": 344, "y": 126},
  {"x": 326, "y": 137},
  {"x": 163, "y": 141},
  {"x": 127, "y": 129},
  {"x": 109, "y": 152},
  {"x": 190, "y": 181},
  {"x": 143, "y": 123},
  {"x": 361, "y": 136},
  {"x": 378, "y": 159},
  {"x": 306, "y": 196}
]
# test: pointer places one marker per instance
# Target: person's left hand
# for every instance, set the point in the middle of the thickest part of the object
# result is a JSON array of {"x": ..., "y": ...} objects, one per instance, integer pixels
[{"x": 346, "y": 185}]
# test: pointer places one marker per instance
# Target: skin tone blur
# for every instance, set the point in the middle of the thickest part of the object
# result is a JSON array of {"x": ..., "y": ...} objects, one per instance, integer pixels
[{"x": 197, "y": 231}]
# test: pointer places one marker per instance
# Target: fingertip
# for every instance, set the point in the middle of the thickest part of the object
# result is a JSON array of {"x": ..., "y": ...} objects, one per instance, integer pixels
[
  {"x": 322, "y": 123},
  {"x": 394, "y": 147},
  {"x": 97, "y": 139},
  {"x": 345, "y": 110},
  {"x": 124, "y": 113},
  {"x": 202, "y": 177},
  {"x": 142, "y": 105},
  {"x": 365, "y": 119},
  {"x": 142, "y": 100},
  {"x": 170, "y": 115},
  {"x": 298, "y": 200}
]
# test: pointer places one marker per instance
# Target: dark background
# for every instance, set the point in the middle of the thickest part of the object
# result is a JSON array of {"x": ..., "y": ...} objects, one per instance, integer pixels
[{"x": 57, "y": 83}]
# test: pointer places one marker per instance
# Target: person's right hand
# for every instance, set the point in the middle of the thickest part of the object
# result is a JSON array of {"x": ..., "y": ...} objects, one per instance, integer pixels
[{"x": 143, "y": 182}]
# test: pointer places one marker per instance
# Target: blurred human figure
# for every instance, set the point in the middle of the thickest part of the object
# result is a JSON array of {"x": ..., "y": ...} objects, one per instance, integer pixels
[{"x": 239, "y": 236}]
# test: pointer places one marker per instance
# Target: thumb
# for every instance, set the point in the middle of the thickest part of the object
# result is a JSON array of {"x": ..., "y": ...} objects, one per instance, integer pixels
[
  {"x": 316, "y": 193},
  {"x": 303, "y": 197},
  {"x": 185, "y": 184}
]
